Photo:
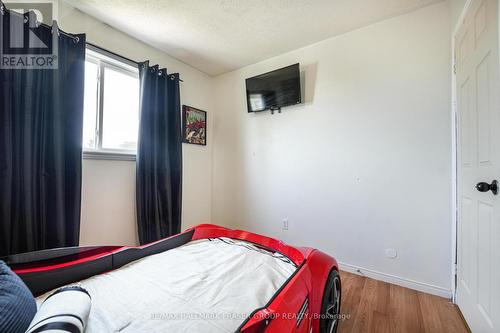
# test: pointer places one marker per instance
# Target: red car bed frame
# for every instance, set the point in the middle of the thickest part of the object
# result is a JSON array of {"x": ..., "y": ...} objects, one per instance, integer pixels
[{"x": 309, "y": 301}]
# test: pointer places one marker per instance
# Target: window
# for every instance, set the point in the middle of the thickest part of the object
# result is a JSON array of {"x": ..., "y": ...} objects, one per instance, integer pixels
[{"x": 111, "y": 106}]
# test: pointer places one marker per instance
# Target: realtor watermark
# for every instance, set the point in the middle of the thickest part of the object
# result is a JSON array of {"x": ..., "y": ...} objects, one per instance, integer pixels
[
  {"x": 242, "y": 316},
  {"x": 24, "y": 44}
]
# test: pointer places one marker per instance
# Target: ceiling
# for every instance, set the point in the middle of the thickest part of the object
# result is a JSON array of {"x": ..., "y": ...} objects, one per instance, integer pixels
[{"x": 218, "y": 36}]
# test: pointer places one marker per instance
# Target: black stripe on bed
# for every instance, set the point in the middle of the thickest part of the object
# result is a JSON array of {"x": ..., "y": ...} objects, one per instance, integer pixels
[{"x": 62, "y": 326}]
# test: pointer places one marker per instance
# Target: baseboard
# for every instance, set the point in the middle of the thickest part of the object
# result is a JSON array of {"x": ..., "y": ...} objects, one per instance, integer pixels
[{"x": 403, "y": 282}]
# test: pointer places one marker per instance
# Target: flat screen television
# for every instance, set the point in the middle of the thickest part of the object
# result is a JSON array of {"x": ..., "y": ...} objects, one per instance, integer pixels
[{"x": 274, "y": 90}]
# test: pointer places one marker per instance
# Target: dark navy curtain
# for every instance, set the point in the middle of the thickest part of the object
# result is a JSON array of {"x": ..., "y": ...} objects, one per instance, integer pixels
[
  {"x": 159, "y": 155},
  {"x": 41, "y": 117}
]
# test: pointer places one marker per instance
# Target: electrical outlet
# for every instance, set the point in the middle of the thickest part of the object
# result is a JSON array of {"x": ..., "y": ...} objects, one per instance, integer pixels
[
  {"x": 285, "y": 224},
  {"x": 391, "y": 253}
]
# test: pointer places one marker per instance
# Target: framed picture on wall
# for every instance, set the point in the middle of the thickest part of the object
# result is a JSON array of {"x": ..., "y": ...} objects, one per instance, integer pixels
[{"x": 194, "y": 126}]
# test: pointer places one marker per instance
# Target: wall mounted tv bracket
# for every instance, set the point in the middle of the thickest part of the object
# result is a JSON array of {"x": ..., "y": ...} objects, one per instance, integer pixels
[{"x": 275, "y": 108}]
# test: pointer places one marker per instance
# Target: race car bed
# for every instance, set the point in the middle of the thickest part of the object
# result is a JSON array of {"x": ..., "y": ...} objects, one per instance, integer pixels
[{"x": 207, "y": 279}]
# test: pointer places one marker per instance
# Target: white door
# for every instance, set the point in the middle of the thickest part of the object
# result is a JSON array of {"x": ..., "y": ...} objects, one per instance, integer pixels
[{"x": 477, "y": 66}]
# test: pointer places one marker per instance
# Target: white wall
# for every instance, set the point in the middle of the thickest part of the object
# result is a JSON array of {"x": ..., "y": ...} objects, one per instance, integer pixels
[
  {"x": 108, "y": 203},
  {"x": 363, "y": 165},
  {"x": 108, "y": 207}
]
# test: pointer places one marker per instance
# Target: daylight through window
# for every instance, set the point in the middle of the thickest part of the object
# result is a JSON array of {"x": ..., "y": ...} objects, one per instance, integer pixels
[{"x": 111, "y": 105}]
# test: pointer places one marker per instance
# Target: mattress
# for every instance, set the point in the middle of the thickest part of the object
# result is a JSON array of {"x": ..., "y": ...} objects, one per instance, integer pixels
[{"x": 209, "y": 285}]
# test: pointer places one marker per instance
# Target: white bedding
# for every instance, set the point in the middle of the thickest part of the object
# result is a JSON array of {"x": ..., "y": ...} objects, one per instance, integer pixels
[{"x": 202, "y": 286}]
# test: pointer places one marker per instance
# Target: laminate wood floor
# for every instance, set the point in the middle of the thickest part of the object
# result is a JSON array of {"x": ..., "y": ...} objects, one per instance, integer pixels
[{"x": 375, "y": 306}]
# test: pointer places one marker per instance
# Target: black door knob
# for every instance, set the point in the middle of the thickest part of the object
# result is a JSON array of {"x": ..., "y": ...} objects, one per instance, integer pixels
[{"x": 485, "y": 187}]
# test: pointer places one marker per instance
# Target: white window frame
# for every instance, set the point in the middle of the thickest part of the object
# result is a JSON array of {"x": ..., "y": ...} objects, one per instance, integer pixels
[{"x": 104, "y": 59}]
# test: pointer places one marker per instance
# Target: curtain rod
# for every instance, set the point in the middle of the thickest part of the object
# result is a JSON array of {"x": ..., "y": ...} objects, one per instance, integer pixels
[
  {"x": 75, "y": 38},
  {"x": 117, "y": 55}
]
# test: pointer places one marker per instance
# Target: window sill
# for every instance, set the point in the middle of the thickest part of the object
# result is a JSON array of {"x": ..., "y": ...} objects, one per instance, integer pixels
[{"x": 108, "y": 155}]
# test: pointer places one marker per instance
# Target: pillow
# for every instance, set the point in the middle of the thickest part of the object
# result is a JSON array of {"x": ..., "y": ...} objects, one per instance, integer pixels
[
  {"x": 65, "y": 310},
  {"x": 17, "y": 304}
]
